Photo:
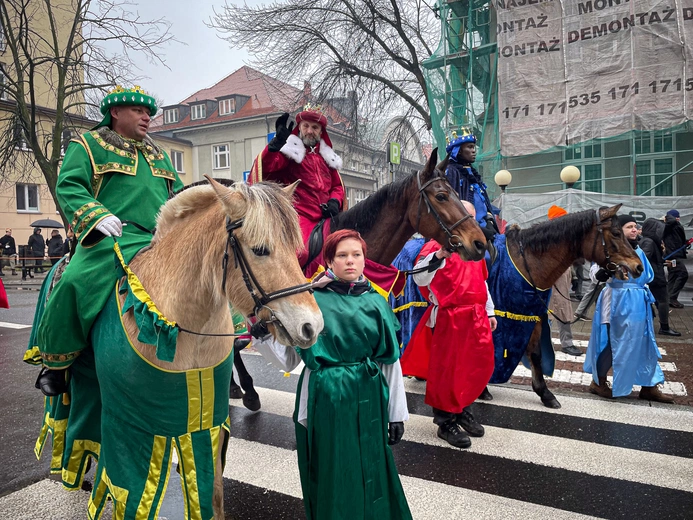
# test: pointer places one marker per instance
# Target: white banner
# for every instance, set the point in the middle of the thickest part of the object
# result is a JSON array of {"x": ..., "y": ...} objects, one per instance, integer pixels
[
  {"x": 526, "y": 209},
  {"x": 570, "y": 70}
]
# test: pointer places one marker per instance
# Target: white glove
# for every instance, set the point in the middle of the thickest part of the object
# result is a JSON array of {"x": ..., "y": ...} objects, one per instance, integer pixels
[{"x": 110, "y": 226}]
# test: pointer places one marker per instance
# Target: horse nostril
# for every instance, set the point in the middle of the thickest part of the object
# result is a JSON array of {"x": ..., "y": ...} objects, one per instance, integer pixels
[
  {"x": 308, "y": 331},
  {"x": 640, "y": 269},
  {"x": 480, "y": 246}
]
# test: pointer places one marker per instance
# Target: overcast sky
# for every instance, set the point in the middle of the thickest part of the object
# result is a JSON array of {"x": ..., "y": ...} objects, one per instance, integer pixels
[{"x": 199, "y": 61}]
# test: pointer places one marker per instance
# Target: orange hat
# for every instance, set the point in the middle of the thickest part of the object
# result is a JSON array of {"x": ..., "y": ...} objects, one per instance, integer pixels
[{"x": 556, "y": 211}]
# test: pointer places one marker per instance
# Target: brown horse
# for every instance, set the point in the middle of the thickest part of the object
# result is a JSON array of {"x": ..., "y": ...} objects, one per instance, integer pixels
[
  {"x": 139, "y": 396},
  {"x": 389, "y": 217},
  {"x": 542, "y": 254}
]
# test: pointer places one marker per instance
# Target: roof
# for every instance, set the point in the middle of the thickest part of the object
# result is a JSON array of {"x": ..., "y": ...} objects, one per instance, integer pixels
[{"x": 267, "y": 95}]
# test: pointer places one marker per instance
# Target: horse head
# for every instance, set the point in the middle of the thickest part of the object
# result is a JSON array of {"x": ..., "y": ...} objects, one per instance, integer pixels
[
  {"x": 440, "y": 214},
  {"x": 609, "y": 247},
  {"x": 262, "y": 239}
]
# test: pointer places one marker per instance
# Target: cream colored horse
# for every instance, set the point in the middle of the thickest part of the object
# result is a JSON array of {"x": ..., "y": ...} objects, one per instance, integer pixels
[{"x": 140, "y": 408}]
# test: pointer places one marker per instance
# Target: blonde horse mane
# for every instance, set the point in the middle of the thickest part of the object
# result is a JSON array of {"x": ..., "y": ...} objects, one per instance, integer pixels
[{"x": 263, "y": 203}]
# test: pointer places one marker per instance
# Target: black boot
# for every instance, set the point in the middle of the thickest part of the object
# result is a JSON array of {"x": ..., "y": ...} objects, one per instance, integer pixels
[
  {"x": 51, "y": 382},
  {"x": 454, "y": 435},
  {"x": 485, "y": 395},
  {"x": 470, "y": 425},
  {"x": 665, "y": 330}
]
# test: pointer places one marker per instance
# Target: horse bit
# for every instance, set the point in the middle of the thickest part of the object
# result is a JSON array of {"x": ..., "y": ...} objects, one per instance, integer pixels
[{"x": 454, "y": 241}]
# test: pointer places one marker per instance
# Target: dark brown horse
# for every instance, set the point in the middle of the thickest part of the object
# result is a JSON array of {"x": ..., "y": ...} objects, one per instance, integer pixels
[
  {"x": 422, "y": 202},
  {"x": 542, "y": 253}
]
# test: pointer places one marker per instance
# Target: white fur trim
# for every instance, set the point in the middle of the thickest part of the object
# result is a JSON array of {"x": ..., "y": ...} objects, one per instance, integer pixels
[
  {"x": 331, "y": 158},
  {"x": 294, "y": 149}
]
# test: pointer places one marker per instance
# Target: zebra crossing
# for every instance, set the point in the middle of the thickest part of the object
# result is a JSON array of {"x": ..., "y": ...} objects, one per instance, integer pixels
[{"x": 591, "y": 458}]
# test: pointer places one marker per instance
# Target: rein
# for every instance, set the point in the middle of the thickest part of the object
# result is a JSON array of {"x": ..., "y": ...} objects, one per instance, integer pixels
[
  {"x": 610, "y": 266},
  {"x": 454, "y": 241}
]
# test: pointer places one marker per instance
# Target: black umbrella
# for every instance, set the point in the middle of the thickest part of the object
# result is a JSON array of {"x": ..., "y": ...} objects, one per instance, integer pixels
[{"x": 47, "y": 223}]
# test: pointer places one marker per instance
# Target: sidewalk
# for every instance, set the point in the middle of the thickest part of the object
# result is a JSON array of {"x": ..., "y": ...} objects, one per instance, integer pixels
[{"x": 15, "y": 281}]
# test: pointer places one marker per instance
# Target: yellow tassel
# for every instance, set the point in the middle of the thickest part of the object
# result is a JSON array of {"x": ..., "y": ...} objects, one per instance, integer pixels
[
  {"x": 287, "y": 374},
  {"x": 505, "y": 353}
]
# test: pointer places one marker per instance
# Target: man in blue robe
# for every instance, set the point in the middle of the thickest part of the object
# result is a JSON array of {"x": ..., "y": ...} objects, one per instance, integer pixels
[{"x": 623, "y": 333}]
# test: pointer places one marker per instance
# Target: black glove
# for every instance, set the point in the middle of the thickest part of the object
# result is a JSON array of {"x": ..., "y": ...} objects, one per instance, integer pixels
[
  {"x": 489, "y": 232},
  {"x": 395, "y": 430},
  {"x": 330, "y": 208},
  {"x": 282, "y": 133},
  {"x": 602, "y": 275}
]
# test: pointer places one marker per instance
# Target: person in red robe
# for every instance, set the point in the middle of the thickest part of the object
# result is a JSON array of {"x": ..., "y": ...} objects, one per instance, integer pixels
[
  {"x": 304, "y": 152},
  {"x": 452, "y": 347}
]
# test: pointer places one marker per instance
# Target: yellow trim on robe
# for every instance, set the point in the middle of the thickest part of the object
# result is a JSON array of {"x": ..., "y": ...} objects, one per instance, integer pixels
[
  {"x": 156, "y": 468},
  {"x": 517, "y": 317},
  {"x": 186, "y": 458},
  {"x": 408, "y": 305}
]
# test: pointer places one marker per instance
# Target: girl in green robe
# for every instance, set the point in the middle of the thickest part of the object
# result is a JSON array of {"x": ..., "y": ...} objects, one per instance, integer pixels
[{"x": 350, "y": 402}]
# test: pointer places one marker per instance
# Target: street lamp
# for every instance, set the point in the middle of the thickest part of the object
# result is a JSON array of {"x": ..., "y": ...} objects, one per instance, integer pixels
[
  {"x": 570, "y": 175},
  {"x": 503, "y": 179}
]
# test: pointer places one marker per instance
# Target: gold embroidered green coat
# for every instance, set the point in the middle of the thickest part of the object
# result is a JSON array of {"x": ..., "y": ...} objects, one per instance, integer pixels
[{"x": 102, "y": 174}]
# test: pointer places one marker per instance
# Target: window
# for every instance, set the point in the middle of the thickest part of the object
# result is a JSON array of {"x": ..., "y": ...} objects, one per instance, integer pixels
[
  {"x": 656, "y": 169},
  {"x": 3, "y": 82},
  {"x": 177, "y": 160},
  {"x": 227, "y": 106},
  {"x": 27, "y": 197},
  {"x": 198, "y": 111},
  {"x": 20, "y": 140},
  {"x": 588, "y": 159},
  {"x": 170, "y": 116},
  {"x": 3, "y": 42},
  {"x": 65, "y": 141},
  {"x": 220, "y": 152}
]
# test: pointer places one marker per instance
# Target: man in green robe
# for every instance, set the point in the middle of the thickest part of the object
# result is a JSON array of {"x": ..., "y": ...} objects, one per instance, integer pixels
[{"x": 111, "y": 176}]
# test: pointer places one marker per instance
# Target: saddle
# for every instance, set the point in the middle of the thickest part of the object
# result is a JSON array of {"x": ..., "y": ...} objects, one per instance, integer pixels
[{"x": 315, "y": 242}]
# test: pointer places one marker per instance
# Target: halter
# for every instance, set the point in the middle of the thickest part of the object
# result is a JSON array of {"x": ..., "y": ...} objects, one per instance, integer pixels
[
  {"x": 610, "y": 266},
  {"x": 454, "y": 241},
  {"x": 263, "y": 298}
]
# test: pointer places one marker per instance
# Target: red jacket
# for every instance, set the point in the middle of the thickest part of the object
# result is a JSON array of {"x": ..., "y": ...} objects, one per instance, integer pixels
[{"x": 317, "y": 169}]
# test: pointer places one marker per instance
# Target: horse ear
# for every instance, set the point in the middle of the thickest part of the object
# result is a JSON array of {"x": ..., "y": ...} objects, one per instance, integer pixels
[
  {"x": 443, "y": 165},
  {"x": 610, "y": 212},
  {"x": 230, "y": 199},
  {"x": 430, "y": 164},
  {"x": 291, "y": 188},
  {"x": 221, "y": 190}
]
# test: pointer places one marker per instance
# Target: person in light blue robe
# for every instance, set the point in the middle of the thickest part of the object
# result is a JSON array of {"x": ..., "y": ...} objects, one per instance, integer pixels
[{"x": 623, "y": 334}]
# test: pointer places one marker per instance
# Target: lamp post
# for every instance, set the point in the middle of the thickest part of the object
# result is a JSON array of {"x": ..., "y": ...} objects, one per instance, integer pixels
[
  {"x": 570, "y": 175},
  {"x": 503, "y": 178}
]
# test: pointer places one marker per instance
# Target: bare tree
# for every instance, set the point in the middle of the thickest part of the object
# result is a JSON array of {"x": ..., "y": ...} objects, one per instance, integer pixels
[
  {"x": 371, "y": 47},
  {"x": 56, "y": 66}
]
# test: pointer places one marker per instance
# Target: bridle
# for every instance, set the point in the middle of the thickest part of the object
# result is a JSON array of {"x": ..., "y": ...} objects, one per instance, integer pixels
[
  {"x": 259, "y": 295},
  {"x": 609, "y": 265},
  {"x": 454, "y": 241}
]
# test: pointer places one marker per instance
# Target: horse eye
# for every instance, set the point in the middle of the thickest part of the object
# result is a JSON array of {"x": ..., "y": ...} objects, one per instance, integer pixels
[
  {"x": 441, "y": 197},
  {"x": 261, "y": 251}
]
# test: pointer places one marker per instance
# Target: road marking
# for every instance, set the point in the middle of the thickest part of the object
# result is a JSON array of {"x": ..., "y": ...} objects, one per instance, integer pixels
[{"x": 7, "y": 325}]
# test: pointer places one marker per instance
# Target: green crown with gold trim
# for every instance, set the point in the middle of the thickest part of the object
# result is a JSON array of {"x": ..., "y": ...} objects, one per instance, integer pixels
[{"x": 136, "y": 96}]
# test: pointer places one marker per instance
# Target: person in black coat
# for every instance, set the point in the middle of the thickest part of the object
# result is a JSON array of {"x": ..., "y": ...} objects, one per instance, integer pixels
[
  {"x": 9, "y": 250},
  {"x": 675, "y": 238},
  {"x": 651, "y": 244},
  {"x": 55, "y": 247},
  {"x": 37, "y": 246}
]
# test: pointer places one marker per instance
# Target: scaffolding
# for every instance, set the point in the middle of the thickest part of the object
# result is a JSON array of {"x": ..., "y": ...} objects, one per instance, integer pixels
[{"x": 462, "y": 83}]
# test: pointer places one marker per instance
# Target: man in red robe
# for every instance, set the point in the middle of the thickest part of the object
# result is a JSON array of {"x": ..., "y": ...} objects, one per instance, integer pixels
[
  {"x": 452, "y": 347},
  {"x": 304, "y": 152}
]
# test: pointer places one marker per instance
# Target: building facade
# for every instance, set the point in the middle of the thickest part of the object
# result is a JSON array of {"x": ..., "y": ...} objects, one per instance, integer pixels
[{"x": 230, "y": 123}]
